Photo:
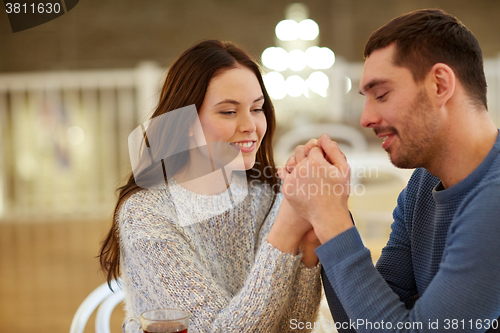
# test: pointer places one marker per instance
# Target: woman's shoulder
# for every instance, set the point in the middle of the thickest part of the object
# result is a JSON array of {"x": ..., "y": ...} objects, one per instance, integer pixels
[
  {"x": 151, "y": 199},
  {"x": 146, "y": 210}
]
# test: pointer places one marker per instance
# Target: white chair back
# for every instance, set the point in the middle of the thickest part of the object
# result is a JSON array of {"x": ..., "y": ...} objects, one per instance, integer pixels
[{"x": 103, "y": 298}]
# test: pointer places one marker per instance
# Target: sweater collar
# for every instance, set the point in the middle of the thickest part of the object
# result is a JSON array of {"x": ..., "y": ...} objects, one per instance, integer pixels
[{"x": 192, "y": 207}]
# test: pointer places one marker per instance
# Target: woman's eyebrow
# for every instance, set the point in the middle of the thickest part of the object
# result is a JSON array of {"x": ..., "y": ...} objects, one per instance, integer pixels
[
  {"x": 232, "y": 101},
  {"x": 259, "y": 99}
]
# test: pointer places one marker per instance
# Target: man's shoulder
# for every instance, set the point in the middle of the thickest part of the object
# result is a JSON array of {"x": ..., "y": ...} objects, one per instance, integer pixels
[
  {"x": 493, "y": 173},
  {"x": 492, "y": 163},
  {"x": 489, "y": 184}
]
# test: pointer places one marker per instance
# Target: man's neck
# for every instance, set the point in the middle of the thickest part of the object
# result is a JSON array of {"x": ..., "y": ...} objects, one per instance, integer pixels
[{"x": 467, "y": 145}]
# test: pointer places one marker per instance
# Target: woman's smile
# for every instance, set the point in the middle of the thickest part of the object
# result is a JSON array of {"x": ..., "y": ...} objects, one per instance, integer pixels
[{"x": 244, "y": 146}]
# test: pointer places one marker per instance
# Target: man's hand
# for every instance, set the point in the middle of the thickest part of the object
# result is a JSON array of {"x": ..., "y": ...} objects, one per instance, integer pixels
[
  {"x": 301, "y": 152},
  {"x": 317, "y": 185}
]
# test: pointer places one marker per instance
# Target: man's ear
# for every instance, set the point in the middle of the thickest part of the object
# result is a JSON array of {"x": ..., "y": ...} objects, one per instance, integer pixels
[{"x": 442, "y": 81}]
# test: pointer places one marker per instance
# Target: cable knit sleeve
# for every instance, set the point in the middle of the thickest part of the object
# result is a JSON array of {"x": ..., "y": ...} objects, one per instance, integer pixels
[
  {"x": 304, "y": 300},
  {"x": 305, "y": 294},
  {"x": 162, "y": 269}
]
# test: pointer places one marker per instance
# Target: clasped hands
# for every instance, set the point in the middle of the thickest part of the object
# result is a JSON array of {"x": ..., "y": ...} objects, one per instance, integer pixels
[{"x": 316, "y": 182}]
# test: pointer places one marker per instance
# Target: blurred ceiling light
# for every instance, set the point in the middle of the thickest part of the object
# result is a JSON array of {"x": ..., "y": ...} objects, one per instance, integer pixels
[
  {"x": 319, "y": 57},
  {"x": 275, "y": 85},
  {"x": 287, "y": 30},
  {"x": 295, "y": 86},
  {"x": 308, "y": 30},
  {"x": 275, "y": 58},
  {"x": 297, "y": 60},
  {"x": 326, "y": 58},
  {"x": 292, "y": 56},
  {"x": 278, "y": 59},
  {"x": 348, "y": 84},
  {"x": 318, "y": 82},
  {"x": 75, "y": 135},
  {"x": 312, "y": 55}
]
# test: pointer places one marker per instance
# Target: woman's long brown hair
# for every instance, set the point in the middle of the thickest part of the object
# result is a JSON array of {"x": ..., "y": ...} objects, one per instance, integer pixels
[{"x": 186, "y": 84}]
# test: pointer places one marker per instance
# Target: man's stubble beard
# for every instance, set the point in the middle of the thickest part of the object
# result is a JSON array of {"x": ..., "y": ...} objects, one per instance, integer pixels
[{"x": 418, "y": 146}]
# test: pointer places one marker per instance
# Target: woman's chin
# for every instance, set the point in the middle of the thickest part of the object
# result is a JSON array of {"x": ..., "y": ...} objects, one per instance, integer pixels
[{"x": 249, "y": 164}]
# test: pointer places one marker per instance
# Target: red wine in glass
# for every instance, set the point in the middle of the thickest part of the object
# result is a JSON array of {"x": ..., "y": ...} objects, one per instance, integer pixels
[{"x": 173, "y": 327}]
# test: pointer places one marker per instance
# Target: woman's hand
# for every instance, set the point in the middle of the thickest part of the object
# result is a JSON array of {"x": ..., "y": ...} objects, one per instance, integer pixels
[
  {"x": 288, "y": 230},
  {"x": 307, "y": 245}
]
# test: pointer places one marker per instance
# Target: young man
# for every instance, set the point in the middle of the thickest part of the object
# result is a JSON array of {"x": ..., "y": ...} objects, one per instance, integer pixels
[{"x": 425, "y": 93}]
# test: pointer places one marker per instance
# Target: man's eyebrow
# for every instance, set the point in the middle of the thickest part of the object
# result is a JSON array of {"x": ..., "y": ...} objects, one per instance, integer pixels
[
  {"x": 232, "y": 101},
  {"x": 372, "y": 84}
]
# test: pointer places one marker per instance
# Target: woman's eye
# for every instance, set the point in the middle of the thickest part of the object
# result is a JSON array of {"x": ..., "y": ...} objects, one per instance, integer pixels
[
  {"x": 258, "y": 110},
  {"x": 227, "y": 112}
]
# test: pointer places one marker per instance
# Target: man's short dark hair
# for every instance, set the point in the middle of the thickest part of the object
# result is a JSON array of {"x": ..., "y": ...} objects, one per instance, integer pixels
[{"x": 429, "y": 36}]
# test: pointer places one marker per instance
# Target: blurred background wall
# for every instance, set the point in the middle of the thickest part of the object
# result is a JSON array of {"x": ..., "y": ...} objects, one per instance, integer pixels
[
  {"x": 120, "y": 34},
  {"x": 71, "y": 90}
]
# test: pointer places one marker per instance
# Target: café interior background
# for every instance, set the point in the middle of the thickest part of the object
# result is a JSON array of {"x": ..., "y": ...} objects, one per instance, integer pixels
[{"x": 71, "y": 91}]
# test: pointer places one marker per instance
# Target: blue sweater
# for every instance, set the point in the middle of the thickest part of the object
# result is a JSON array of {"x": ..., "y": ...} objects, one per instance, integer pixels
[{"x": 440, "y": 270}]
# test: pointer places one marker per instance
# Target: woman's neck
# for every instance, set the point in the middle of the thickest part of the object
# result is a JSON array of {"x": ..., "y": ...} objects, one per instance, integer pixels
[{"x": 209, "y": 184}]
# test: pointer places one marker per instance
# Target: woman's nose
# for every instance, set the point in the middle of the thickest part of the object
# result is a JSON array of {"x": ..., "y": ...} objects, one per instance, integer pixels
[{"x": 246, "y": 122}]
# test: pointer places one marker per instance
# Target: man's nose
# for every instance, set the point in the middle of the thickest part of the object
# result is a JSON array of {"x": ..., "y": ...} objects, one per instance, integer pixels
[{"x": 369, "y": 116}]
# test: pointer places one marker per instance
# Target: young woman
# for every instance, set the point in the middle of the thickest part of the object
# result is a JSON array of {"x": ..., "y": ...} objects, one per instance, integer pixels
[{"x": 212, "y": 240}]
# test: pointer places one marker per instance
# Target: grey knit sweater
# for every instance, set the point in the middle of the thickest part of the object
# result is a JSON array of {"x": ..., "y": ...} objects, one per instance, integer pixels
[{"x": 207, "y": 256}]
